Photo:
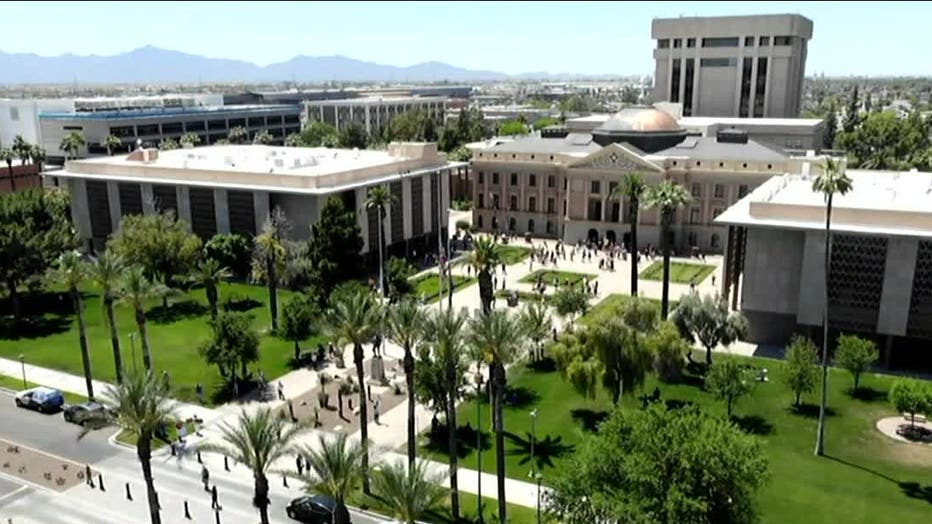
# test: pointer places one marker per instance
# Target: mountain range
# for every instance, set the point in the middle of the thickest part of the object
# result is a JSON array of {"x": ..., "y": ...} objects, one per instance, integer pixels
[{"x": 153, "y": 65}]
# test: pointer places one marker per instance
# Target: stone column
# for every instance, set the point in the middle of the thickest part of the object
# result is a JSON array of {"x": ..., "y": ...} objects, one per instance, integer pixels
[
  {"x": 221, "y": 211},
  {"x": 113, "y": 199},
  {"x": 148, "y": 199},
  {"x": 183, "y": 196},
  {"x": 260, "y": 205}
]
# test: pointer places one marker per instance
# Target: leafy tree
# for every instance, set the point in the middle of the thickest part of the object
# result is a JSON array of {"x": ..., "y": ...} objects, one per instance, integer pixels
[
  {"x": 71, "y": 272},
  {"x": 112, "y": 142},
  {"x": 729, "y": 380},
  {"x": 884, "y": 141},
  {"x": 334, "y": 246},
  {"x": 258, "y": 440},
  {"x": 334, "y": 468},
  {"x": 632, "y": 188},
  {"x": 210, "y": 274},
  {"x": 545, "y": 122},
  {"x": 263, "y": 138},
  {"x": 624, "y": 362},
  {"x": 430, "y": 383},
  {"x": 7, "y": 155},
  {"x": 238, "y": 135},
  {"x": 233, "y": 342},
  {"x": 379, "y": 198},
  {"x": 852, "y": 116},
  {"x": 666, "y": 197},
  {"x": 669, "y": 349},
  {"x": 708, "y": 320},
  {"x": 190, "y": 139},
  {"x": 910, "y": 397},
  {"x": 36, "y": 230},
  {"x": 294, "y": 140},
  {"x": 629, "y": 95},
  {"x": 484, "y": 258},
  {"x": 405, "y": 326},
  {"x": 38, "y": 156},
  {"x": 398, "y": 272},
  {"x": 855, "y": 354},
  {"x": 831, "y": 128},
  {"x": 71, "y": 143},
  {"x": 512, "y": 128},
  {"x": 319, "y": 134},
  {"x": 168, "y": 144},
  {"x": 137, "y": 291},
  {"x": 105, "y": 274},
  {"x": 832, "y": 180},
  {"x": 460, "y": 154},
  {"x": 570, "y": 301},
  {"x": 22, "y": 149},
  {"x": 412, "y": 126},
  {"x": 353, "y": 136},
  {"x": 664, "y": 466},
  {"x": 537, "y": 324},
  {"x": 409, "y": 493},
  {"x": 231, "y": 250},
  {"x": 800, "y": 371},
  {"x": 298, "y": 321}
]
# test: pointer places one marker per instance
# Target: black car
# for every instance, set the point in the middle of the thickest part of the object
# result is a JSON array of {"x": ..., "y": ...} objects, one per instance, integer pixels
[
  {"x": 87, "y": 414},
  {"x": 316, "y": 509}
]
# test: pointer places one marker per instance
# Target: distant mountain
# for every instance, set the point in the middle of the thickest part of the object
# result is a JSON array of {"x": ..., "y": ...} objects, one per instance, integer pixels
[{"x": 152, "y": 65}]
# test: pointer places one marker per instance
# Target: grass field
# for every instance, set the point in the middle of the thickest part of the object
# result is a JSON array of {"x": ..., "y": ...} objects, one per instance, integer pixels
[
  {"x": 865, "y": 477},
  {"x": 174, "y": 338},
  {"x": 612, "y": 306},
  {"x": 468, "y": 509},
  {"x": 427, "y": 287},
  {"x": 680, "y": 273},
  {"x": 551, "y": 277},
  {"x": 510, "y": 254}
]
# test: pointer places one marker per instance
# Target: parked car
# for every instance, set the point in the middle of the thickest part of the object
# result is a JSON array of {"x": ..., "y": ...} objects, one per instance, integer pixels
[
  {"x": 43, "y": 399},
  {"x": 316, "y": 509},
  {"x": 88, "y": 413}
]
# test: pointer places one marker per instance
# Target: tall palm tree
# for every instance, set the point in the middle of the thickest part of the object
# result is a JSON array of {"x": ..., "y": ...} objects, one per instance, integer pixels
[
  {"x": 210, "y": 274},
  {"x": 333, "y": 469},
  {"x": 71, "y": 271},
  {"x": 71, "y": 143},
  {"x": 258, "y": 440},
  {"x": 536, "y": 321},
  {"x": 7, "y": 156},
  {"x": 443, "y": 329},
  {"x": 22, "y": 150},
  {"x": 405, "y": 327},
  {"x": 111, "y": 143},
  {"x": 137, "y": 292},
  {"x": 632, "y": 189},
  {"x": 409, "y": 493},
  {"x": 105, "y": 273},
  {"x": 378, "y": 198},
  {"x": 666, "y": 197},
  {"x": 832, "y": 181},
  {"x": 484, "y": 258},
  {"x": 269, "y": 258},
  {"x": 500, "y": 338},
  {"x": 37, "y": 154},
  {"x": 142, "y": 407},
  {"x": 354, "y": 319}
]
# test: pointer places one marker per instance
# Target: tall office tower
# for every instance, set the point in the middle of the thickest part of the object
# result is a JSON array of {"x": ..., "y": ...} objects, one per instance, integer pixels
[{"x": 744, "y": 66}]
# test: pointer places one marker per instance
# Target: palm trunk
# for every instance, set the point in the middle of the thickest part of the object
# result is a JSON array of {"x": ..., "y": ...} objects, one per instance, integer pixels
[
  {"x": 634, "y": 248},
  {"x": 665, "y": 245},
  {"x": 409, "y": 383},
  {"x": 12, "y": 179},
  {"x": 82, "y": 339},
  {"x": 381, "y": 265},
  {"x": 261, "y": 497},
  {"x": 211, "y": 291},
  {"x": 12, "y": 285},
  {"x": 451, "y": 442},
  {"x": 144, "y": 340},
  {"x": 708, "y": 355},
  {"x": 498, "y": 382},
  {"x": 273, "y": 290},
  {"x": 485, "y": 290},
  {"x": 820, "y": 438},
  {"x": 144, "y": 452},
  {"x": 114, "y": 338},
  {"x": 297, "y": 351},
  {"x": 363, "y": 416}
]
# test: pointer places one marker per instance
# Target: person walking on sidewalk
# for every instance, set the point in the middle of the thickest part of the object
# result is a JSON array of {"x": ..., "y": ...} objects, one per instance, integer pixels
[
  {"x": 213, "y": 498},
  {"x": 281, "y": 391},
  {"x": 205, "y": 478}
]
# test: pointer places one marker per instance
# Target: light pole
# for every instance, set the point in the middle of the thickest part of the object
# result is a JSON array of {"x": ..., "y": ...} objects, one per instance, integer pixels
[
  {"x": 533, "y": 438},
  {"x": 537, "y": 478},
  {"x": 22, "y": 364},
  {"x": 132, "y": 345},
  {"x": 479, "y": 382}
]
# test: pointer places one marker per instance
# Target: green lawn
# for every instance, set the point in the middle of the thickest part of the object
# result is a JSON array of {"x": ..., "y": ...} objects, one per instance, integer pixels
[
  {"x": 427, "y": 287},
  {"x": 510, "y": 254},
  {"x": 173, "y": 338},
  {"x": 16, "y": 384},
  {"x": 468, "y": 508},
  {"x": 866, "y": 477},
  {"x": 550, "y": 277},
  {"x": 610, "y": 307},
  {"x": 680, "y": 272}
]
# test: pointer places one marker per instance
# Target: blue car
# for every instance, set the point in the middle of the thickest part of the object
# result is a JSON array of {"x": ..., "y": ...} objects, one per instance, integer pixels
[{"x": 42, "y": 399}]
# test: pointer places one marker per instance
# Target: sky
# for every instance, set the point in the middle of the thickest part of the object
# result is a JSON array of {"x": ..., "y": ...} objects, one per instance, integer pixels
[{"x": 850, "y": 38}]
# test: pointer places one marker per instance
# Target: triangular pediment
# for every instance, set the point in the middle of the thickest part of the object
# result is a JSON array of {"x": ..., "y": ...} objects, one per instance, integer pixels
[{"x": 621, "y": 157}]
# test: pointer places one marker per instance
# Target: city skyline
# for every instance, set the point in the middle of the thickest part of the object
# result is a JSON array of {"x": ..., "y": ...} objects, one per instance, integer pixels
[{"x": 556, "y": 38}]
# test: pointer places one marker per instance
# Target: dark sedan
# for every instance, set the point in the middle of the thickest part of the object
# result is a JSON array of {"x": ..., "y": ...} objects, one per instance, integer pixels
[{"x": 316, "y": 509}]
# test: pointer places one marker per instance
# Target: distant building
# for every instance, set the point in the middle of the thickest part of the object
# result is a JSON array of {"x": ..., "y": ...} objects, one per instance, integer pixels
[
  {"x": 222, "y": 189},
  {"x": 24, "y": 177},
  {"x": 20, "y": 116},
  {"x": 738, "y": 66},
  {"x": 371, "y": 113}
]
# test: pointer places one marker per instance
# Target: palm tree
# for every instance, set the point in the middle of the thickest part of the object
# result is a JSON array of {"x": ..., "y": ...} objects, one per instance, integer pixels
[
  {"x": 142, "y": 408},
  {"x": 37, "y": 154},
  {"x": 537, "y": 324},
  {"x": 263, "y": 138},
  {"x": 210, "y": 274},
  {"x": 7, "y": 156},
  {"x": 71, "y": 143},
  {"x": 237, "y": 135},
  {"x": 22, "y": 150},
  {"x": 666, "y": 197},
  {"x": 832, "y": 180},
  {"x": 444, "y": 331},
  {"x": 333, "y": 469},
  {"x": 484, "y": 258},
  {"x": 257, "y": 441},
  {"x": 378, "y": 198},
  {"x": 105, "y": 273},
  {"x": 632, "y": 188},
  {"x": 354, "y": 319},
  {"x": 111, "y": 143},
  {"x": 269, "y": 258},
  {"x": 71, "y": 271},
  {"x": 137, "y": 292},
  {"x": 405, "y": 327},
  {"x": 190, "y": 139},
  {"x": 500, "y": 338},
  {"x": 409, "y": 493}
]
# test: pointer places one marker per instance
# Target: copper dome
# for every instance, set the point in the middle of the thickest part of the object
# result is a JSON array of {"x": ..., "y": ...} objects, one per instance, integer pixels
[{"x": 640, "y": 119}]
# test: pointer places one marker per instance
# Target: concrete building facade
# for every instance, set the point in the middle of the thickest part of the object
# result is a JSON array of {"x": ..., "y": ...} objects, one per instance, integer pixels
[
  {"x": 739, "y": 66},
  {"x": 371, "y": 113}
]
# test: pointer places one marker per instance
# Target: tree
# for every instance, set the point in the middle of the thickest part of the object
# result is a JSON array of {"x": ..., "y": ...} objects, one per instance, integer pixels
[
  {"x": 38, "y": 156},
  {"x": 852, "y": 117},
  {"x": 885, "y": 141},
  {"x": 257, "y": 441},
  {"x": 168, "y": 144},
  {"x": 910, "y": 397},
  {"x": 232, "y": 251},
  {"x": 7, "y": 155},
  {"x": 800, "y": 370},
  {"x": 36, "y": 230},
  {"x": 234, "y": 341},
  {"x": 294, "y": 140},
  {"x": 669, "y": 349},
  {"x": 111, "y": 143},
  {"x": 512, "y": 128},
  {"x": 137, "y": 291},
  {"x": 708, "y": 320},
  {"x": 632, "y": 189},
  {"x": 263, "y": 138},
  {"x": 319, "y": 134},
  {"x": 499, "y": 338},
  {"x": 22, "y": 149},
  {"x": 536, "y": 322},
  {"x": 570, "y": 301},
  {"x": 729, "y": 380},
  {"x": 142, "y": 408},
  {"x": 71, "y": 143},
  {"x": 412, "y": 126},
  {"x": 397, "y": 275},
  {"x": 238, "y": 135},
  {"x": 444, "y": 333},
  {"x": 831, "y": 128},
  {"x": 855, "y": 354},
  {"x": 667, "y": 197},
  {"x": 334, "y": 246},
  {"x": 662, "y": 465},
  {"x": 190, "y": 139},
  {"x": 210, "y": 274},
  {"x": 484, "y": 258},
  {"x": 268, "y": 262},
  {"x": 460, "y": 154},
  {"x": 71, "y": 272},
  {"x": 545, "y": 122},
  {"x": 624, "y": 363},
  {"x": 378, "y": 198},
  {"x": 298, "y": 321},
  {"x": 409, "y": 493},
  {"x": 334, "y": 467},
  {"x": 405, "y": 327},
  {"x": 353, "y": 136},
  {"x": 105, "y": 273},
  {"x": 832, "y": 180},
  {"x": 354, "y": 319}
]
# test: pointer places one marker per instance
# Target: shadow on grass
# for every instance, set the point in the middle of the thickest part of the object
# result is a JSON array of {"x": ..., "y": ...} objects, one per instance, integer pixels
[
  {"x": 467, "y": 438},
  {"x": 544, "y": 365},
  {"x": 868, "y": 394},
  {"x": 33, "y": 327},
  {"x": 36, "y": 304},
  {"x": 753, "y": 424},
  {"x": 911, "y": 489},
  {"x": 674, "y": 403},
  {"x": 588, "y": 418},
  {"x": 239, "y": 303},
  {"x": 175, "y": 312},
  {"x": 545, "y": 449},
  {"x": 810, "y": 410},
  {"x": 519, "y": 397}
]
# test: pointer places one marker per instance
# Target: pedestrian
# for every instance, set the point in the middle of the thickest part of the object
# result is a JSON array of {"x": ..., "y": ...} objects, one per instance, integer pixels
[
  {"x": 300, "y": 464},
  {"x": 713, "y": 280},
  {"x": 595, "y": 289},
  {"x": 494, "y": 282},
  {"x": 205, "y": 478},
  {"x": 503, "y": 268},
  {"x": 88, "y": 477},
  {"x": 213, "y": 498},
  {"x": 554, "y": 334},
  {"x": 281, "y": 391},
  {"x": 375, "y": 411},
  {"x": 199, "y": 391}
]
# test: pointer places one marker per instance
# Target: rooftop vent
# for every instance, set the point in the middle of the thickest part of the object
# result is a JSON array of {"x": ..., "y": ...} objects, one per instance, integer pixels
[{"x": 732, "y": 136}]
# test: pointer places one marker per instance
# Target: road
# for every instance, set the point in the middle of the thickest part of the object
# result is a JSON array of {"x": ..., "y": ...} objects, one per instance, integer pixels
[{"x": 176, "y": 481}]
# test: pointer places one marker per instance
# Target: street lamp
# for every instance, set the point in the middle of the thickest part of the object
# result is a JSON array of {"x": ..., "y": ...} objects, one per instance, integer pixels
[
  {"x": 537, "y": 479},
  {"x": 479, "y": 382},
  {"x": 533, "y": 438},
  {"x": 22, "y": 364}
]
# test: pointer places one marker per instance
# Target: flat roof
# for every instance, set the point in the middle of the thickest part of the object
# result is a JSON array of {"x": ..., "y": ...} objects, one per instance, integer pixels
[
  {"x": 735, "y": 121},
  {"x": 157, "y": 112},
  {"x": 377, "y": 100}
]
